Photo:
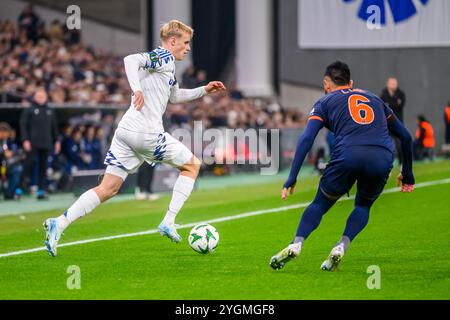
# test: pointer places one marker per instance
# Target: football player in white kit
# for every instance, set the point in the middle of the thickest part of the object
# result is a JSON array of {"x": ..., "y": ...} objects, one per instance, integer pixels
[{"x": 140, "y": 135}]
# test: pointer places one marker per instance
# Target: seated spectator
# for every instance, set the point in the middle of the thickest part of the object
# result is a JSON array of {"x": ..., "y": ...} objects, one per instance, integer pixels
[
  {"x": 73, "y": 152},
  {"x": 11, "y": 157},
  {"x": 91, "y": 148},
  {"x": 424, "y": 143}
]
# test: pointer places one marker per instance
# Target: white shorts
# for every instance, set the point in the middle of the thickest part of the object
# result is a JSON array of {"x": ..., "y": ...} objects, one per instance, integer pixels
[{"x": 130, "y": 149}]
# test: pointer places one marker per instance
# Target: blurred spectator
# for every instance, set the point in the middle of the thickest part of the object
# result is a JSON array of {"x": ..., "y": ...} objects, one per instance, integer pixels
[
  {"x": 73, "y": 153},
  {"x": 29, "y": 21},
  {"x": 144, "y": 183},
  {"x": 447, "y": 123},
  {"x": 104, "y": 143},
  {"x": 234, "y": 92},
  {"x": 91, "y": 148},
  {"x": 188, "y": 78},
  {"x": 424, "y": 143},
  {"x": 201, "y": 79},
  {"x": 39, "y": 134},
  {"x": 395, "y": 99},
  {"x": 56, "y": 32},
  {"x": 11, "y": 157}
]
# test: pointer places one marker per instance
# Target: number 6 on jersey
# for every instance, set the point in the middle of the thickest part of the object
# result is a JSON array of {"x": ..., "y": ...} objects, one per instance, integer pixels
[{"x": 356, "y": 105}]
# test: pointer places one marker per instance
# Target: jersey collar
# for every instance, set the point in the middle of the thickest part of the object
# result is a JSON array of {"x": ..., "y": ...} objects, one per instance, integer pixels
[
  {"x": 164, "y": 51},
  {"x": 342, "y": 88}
]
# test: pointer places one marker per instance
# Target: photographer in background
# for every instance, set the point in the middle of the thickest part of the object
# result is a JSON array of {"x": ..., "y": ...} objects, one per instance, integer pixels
[
  {"x": 39, "y": 134},
  {"x": 10, "y": 163}
]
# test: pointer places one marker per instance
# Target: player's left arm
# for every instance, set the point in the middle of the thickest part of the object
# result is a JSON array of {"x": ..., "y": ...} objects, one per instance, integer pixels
[
  {"x": 406, "y": 177},
  {"x": 178, "y": 95},
  {"x": 304, "y": 144}
]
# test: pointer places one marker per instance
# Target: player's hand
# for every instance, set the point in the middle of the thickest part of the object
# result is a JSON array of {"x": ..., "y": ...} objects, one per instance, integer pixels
[
  {"x": 57, "y": 147},
  {"x": 288, "y": 185},
  {"x": 284, "y": 192},
  {"x": 27, "y": 145},
  {"x": 405, "y": 187},
  {"x": 215, "y": 86},
  {"x": 138, "y": 100}
]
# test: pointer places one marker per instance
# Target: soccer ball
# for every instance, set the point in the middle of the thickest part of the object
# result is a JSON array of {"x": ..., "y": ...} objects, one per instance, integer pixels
[{"x": 203, "y": 238}]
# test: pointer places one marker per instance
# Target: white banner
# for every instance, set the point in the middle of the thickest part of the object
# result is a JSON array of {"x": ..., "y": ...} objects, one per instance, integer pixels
[{"x": 373, "y": 23}]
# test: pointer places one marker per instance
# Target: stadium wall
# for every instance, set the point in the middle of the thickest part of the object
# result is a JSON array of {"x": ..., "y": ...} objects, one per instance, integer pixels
[{"x": 423, "y": 73}]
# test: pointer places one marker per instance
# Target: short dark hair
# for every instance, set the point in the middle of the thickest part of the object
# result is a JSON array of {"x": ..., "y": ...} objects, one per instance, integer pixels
[{"x": 339, "y": 73}]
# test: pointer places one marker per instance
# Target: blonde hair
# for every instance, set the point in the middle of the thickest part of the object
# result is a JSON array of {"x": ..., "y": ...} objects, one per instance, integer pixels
[{"x": 174, "y": 28}]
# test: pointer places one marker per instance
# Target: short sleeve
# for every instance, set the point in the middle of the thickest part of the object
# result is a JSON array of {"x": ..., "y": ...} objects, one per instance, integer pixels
[
  {"x": 317, "y": 112},
  {"x": 387, "y": 111}
]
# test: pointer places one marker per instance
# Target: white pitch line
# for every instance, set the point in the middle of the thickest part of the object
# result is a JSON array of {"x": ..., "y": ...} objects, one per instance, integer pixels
[{"x": 227, "y": 218}]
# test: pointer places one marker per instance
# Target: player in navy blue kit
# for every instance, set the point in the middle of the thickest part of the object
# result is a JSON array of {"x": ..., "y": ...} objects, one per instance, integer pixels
[{"x": 363, "y": 153}]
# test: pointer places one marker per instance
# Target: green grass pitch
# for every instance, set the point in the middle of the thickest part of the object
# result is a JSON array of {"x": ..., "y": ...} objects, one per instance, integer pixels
[{"x": 408, "y": 238}]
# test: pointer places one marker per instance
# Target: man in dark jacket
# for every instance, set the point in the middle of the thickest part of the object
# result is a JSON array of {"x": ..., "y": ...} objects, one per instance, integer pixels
[
  {"x": 395, "y": 99},
  {"x": 39, "y": 134}
]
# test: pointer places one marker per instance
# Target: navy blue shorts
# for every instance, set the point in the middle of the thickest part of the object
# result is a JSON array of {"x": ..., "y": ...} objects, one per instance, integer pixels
[{"x": 369, "y": 166}]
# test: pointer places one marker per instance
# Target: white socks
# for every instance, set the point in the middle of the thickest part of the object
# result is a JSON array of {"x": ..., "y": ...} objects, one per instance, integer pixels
[
  {"x": 85, "y": 204},
  {"x": 181, "y": 191}
]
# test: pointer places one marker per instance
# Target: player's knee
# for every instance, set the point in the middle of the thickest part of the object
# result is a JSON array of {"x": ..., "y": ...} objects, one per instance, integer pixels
[
  {"x": 192, "y": 167},
  {"x": 107, "y": 190},
  {"x": 196, "y": 163},
  {"x": 364, "y": 202}
]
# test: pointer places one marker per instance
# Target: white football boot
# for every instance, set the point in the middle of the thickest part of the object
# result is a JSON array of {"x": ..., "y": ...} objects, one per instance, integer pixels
[
  {"x": 279, "y": 260},
  {"x": 52, "y": 235},
  {"x": 169, "y": 230},
  {"x": 333, "y": 260}
]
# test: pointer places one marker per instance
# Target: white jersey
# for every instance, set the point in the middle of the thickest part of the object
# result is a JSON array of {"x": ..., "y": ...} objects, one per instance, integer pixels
[{"x": 153, "y": 73}]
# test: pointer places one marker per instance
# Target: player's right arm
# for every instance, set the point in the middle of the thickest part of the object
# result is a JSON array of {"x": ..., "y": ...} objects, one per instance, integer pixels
[
  {"x": 132, "y": 64},
  {"x": 406, "y": 177}
]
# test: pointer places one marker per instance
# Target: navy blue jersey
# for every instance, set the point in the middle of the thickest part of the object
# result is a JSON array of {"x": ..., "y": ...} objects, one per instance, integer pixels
[{"x": 356, "y": 117}]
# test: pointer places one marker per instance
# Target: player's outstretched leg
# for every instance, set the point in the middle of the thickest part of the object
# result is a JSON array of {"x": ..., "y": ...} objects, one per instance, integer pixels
[
  {"x": 181, "y": 192},
  {"x": 355, "y": 224},
  {"x": 310, "y": 221},
  {"x": 54, "y": 227}
]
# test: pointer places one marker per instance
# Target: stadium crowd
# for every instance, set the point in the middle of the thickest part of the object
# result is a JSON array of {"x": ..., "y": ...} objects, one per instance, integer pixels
[{"x": 32, "y": 55}]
